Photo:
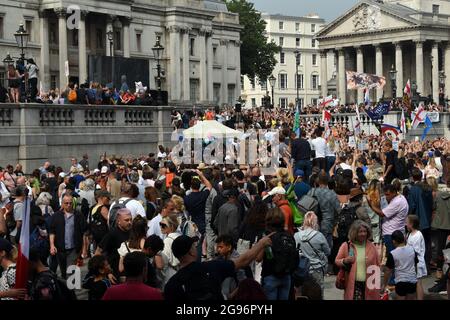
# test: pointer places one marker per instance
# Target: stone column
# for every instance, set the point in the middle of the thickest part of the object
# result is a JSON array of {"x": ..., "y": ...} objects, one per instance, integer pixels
[
  {"x": 447, "y": 70},
  {"x": 224, "y": 84},
  {"x": 126, "y": 36},
  {"x": 174, "y": 76},
  {"x": 435, "y": 71},
  {"x": 109, "y": 26},
  {"x": 324, "y": 73},
  {"x": 82, "y": 54},
  {"x": 379, "y": 67},
  {"x": 342, "y": 85},
  {"x": 45, "y": 51},
  {"x": 210, "y": 59},
  {"x": 360, "y": 68},
  {"x": 399, "y": 68},
  {"x": 419, "y": 67},
  {"x": 186, "y": 88},
  {"x": 203, "y": 67},
  {"x": 63, "y": 55}
]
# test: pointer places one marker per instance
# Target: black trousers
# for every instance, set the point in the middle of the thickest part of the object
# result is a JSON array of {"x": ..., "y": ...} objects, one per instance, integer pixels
[
  {"x": 441, "y": 239},
  {"x": 66, "y": 258},
  {"x": 32, "y": 83},
  {"x": 321, "y": 163},
  {"x": 427, "y": 237}
]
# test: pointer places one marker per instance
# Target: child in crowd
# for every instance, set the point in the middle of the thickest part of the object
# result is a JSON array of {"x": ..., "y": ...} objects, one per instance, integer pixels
[
  {"x": 415, "y": 239},
  {"x": 96, "y": 280}
]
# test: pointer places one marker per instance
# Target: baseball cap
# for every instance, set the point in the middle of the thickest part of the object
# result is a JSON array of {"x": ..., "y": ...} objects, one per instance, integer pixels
[
  {"x": 104, "y": 169},
  {"x": 182, "y": 245},
  {"x": 96, "y": 171},
  {"x": 5, "y": 245},
  {"x": 62, "y": 174},
  {"x": 299, "y": 173},
  {"x": 277, "y": 190}
]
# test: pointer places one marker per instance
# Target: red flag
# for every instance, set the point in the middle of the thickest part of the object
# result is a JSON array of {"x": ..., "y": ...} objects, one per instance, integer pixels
[
  {"x": 24, "y": 248},
  {"x": 407, "y": 90},
  {"x": 326, "y": 116}
]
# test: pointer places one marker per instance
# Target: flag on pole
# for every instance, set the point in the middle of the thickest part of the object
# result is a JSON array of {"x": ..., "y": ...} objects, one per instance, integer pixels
[
  {"x": 297, "y": 122},
  {"x": 326, "y": 116},
  {"x": 379, "y": 111},
  {"x": 366, "y": 97},
  {"x": 326, "y": 100},
  {"x": 403, "y": 124},
  {"x": 428, "y": 126},
  {"x": 407, "y": 96},
  {"x": 385, "y": 128},
  {"x": 407, "y": 89},
  {"x": 420, "y": 116},
  {"x": 24, "y": 248},
  {"x": 358, "y": 123}
]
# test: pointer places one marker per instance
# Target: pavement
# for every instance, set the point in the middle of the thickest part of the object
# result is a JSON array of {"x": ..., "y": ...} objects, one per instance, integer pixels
[{"x": 330, "y": 293}]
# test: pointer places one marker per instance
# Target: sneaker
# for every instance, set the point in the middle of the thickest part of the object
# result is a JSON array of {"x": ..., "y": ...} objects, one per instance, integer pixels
[{"x": 438, "y": 288}]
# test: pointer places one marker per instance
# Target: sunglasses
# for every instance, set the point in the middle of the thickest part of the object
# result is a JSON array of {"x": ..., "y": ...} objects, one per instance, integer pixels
[{"x": 163, "y": 225}]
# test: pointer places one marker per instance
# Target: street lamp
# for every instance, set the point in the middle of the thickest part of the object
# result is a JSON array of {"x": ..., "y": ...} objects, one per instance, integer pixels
[
  {"x": 157, "y": 53},
  {"x": 22, "y": 37},
  {"x": 110, "y": 35},
  {"x": 393, "y": 76},
  {"x": 297, "y": 63},
  {"x": 272, "y": 81},
  {"x": 8, "y": 61}
]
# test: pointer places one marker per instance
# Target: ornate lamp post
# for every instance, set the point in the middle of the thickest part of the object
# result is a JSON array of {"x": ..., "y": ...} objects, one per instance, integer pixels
[
  {"x": 110, "y": 35},
  {"x": 393, "y": 77},
  {"x": 22, "y": 37},
  {"x": 272, "y": 81},
  {"x": 157, "y": 53}
]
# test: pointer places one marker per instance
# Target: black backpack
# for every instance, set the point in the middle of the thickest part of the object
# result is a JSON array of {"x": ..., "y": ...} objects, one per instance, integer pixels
[
  {"x": 285, "y": 254},
  {"x": 346, "y": 217},
  {"x": 401, "y": 169},
  {"x": 116, "y": 206},
  {"x": 97, "y": 224}
]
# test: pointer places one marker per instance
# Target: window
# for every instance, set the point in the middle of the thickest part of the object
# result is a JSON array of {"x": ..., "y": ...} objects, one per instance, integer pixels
[
  {"x": 252, "y": 81},
  {"x": 299, "y": 82},
  {"x": 282, "y": 57},
  {"x": 297, "y": 42},
  {"x": 216, "y": 92},
  {"x": 314, "y": 101},
  {"x": 1, "y": 27},
  {"x": 283, "y": 81},
  {"x": 52, "y": 33},
  {"x": 253, "y": 102},
  {"x": 301, "y": 102},
  {"x": 297, "y": 26},
  {"x": 314, "y": 59},
  {"x": 281, "y": 25},
  {"x": 313, "y": 28},
  {"x": 53, "y": 82},
  {"x": 3, "y": 78},
  {"x": 194, "y": 86},
  {"x": 138, "y": 42},
  {"x": 118, "y": 40},
  {"x": 242, "y": 82},
  {"x": 192, "y": 46},
  {"x": 99, "y": 39},
  {"x": 315, "y": 81},
  {"x": 215, "y": 54},
  {"x": 283, "y": 103},
  {"x": 298, "y": 59},
  {"x": 29, "y": 29},
  {"x": 313, "y": 43},
  {"x": 231, "y": 94},
  {"x": 281, "y": 41},
  {"x": 435, "y": 9},
  {"x": 263, "y": 85}
]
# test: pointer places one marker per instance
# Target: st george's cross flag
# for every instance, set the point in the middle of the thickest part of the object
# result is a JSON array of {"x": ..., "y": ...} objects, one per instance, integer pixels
[
  {"x": 326, "y": 100},
  {"x": 420, "y": 116}
]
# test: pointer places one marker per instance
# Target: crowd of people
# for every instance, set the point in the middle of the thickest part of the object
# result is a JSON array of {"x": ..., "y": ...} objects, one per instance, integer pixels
[{"x": 150, "y": 229}]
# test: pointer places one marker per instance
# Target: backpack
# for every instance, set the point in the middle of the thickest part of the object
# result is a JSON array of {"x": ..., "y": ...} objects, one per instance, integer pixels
[
  {"x": 97, "y": 225},
  {"x": 72, "y": 96},
  {"x": 310, "y": 203},
  {"x": 197, "y": 285},
  {"x": 189, "y": 228},
  {"x": 285, "y": 254},
  {"x": 113, "y": 211},
  {"x": 401, "y": 169},
  {"x": 346, "y": 217}
]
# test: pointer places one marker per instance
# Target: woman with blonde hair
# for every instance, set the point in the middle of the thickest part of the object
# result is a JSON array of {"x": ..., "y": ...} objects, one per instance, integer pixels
[
  {"x": 433, "y": 183},
  {"x": 431, "y": 170},
  {"x": 355, "y": 257},
  {"x": 169, "y": 226},
  {"x": 314, "y": 246}
]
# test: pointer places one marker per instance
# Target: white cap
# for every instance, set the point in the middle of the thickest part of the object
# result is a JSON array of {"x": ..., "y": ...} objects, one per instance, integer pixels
[
  {"x": 96, "y": 170},
  {"x": 104, "y": 169},
  {"x": 277, "y": 190},
  {"x": 62, "y": 174}
]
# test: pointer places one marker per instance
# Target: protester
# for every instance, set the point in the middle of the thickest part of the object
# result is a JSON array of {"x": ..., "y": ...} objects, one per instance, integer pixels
[{"x": 415, "y": 239}]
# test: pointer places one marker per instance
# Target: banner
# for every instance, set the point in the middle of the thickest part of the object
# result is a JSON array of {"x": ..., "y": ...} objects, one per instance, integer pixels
[
  {"x": 433, "y": 116},
  {"x": 357, "y": 80}
]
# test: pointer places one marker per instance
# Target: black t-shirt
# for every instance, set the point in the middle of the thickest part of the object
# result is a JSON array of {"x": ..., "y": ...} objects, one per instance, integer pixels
[
  {"x": 97, "y": 288},
  {"x": 109, "y": 245},
  {"x": 391, "y": 156},
  {"x": 199, "y": 281},
  {"x": 195, "y": 205}
]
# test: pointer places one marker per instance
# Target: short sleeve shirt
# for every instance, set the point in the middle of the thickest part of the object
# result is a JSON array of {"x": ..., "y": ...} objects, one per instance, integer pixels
[
  {"x": 8, "y": 279},
  {"x": 395, "y": 215}
]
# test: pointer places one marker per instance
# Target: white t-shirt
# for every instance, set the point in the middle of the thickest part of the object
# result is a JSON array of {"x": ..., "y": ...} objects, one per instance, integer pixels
[
  {"x": 417, "y": 241},
  {"x": 345, "y": 166},
  {"x": 154, "y": 228},
  {"x": 134, "y": 206},
  {"x": 123, "y": 251},
  {"x": 330, "y": 152},
  {"x": 319, "y": 145}
]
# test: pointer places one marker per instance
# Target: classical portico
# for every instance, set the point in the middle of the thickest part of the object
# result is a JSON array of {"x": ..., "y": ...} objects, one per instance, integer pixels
[{"x": 373, "y": 37}]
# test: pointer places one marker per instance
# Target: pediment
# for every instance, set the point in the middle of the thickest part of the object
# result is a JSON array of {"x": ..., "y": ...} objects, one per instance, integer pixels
[{"x": 364, "y": 18}]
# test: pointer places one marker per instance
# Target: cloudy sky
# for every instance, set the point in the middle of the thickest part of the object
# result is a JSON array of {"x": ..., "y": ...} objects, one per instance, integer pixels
[{"x": 327, "y": 9}]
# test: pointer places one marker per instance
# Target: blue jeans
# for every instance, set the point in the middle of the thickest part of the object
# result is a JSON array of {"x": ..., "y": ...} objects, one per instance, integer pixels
[
  {"x": 306, "y": 166},
  {"x": 387, "y": 239},
  {"x": 277, "y": 288}
]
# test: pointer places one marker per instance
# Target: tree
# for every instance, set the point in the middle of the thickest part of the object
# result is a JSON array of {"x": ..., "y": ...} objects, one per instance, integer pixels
[{"x": 257, "y": 54}]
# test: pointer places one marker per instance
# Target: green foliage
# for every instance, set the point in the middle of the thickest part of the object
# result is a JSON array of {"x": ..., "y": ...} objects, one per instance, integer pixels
[{"x": 257, "y": 55}]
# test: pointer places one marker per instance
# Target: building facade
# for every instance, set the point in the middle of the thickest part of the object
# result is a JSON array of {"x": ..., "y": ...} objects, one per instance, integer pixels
[
  {"x": 291, "y": 34},
  {"x": 409, "y": 37},
  {"x": 200, "y": 63}
]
